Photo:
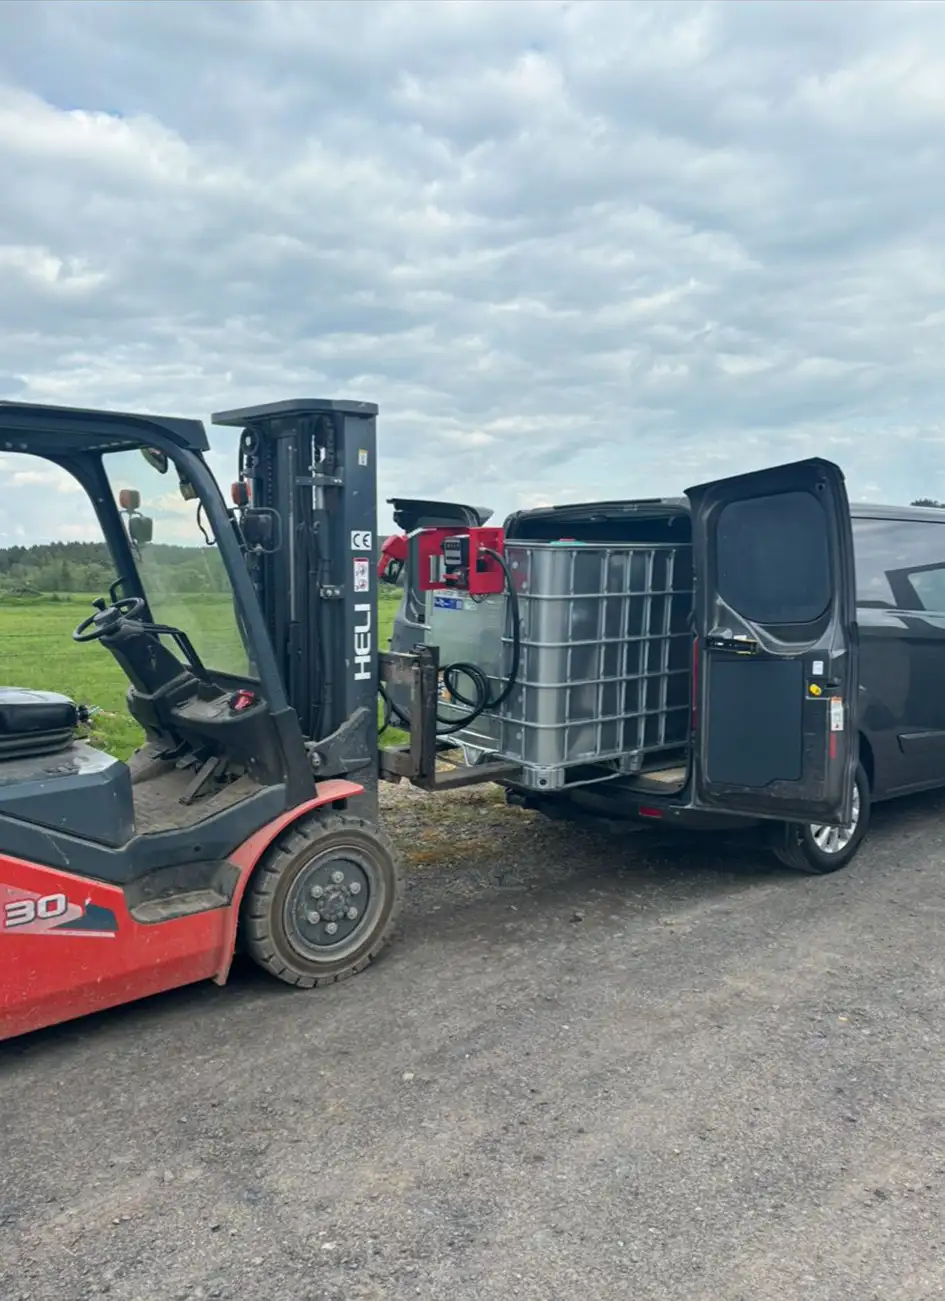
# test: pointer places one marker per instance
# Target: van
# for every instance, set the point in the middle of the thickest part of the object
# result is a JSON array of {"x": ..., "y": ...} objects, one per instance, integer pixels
[{"x": 816, "y": 641}]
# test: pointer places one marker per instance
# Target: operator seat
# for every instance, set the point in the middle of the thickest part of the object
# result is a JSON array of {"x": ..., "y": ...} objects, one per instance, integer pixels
[
  {"x": 51, "y": 779},
  {"x": 35, "y": 722}
]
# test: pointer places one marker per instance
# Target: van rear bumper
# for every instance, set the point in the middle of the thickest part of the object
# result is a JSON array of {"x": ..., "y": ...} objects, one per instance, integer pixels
[
  {"x": 680, "y": 815},
  {"x": 617, "y": 808}
]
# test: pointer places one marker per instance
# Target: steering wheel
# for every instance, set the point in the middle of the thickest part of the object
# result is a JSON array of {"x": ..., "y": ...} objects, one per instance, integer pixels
[{"x": 108, "y": 618}]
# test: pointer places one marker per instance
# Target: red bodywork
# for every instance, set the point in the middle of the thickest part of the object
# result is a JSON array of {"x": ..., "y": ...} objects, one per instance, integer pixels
[{"x": 69, "y": 946}]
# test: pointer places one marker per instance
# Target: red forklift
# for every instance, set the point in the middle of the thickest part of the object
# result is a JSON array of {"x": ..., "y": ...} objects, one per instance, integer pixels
[
  {"x": 247, "y": 819},
  {"x": 248, "y": 816}
]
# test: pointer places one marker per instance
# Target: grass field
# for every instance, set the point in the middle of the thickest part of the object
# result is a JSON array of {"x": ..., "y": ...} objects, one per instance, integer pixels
[{"x": 37, "y": 650}]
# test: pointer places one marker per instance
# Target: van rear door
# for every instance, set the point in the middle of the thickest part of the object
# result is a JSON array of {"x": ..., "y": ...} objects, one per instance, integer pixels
[{"x": 776, "y": 666}]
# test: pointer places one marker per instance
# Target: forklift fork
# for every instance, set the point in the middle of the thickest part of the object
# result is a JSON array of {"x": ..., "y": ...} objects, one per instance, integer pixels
[{"x": 419, "y": 761}]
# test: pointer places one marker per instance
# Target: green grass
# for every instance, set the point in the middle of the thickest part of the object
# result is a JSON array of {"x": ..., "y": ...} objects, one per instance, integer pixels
[{"x": 38, "y": 651}]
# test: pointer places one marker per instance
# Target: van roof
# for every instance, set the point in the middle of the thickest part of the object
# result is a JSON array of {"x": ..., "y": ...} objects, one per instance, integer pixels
[
  {"x": 869, "y": 510},
  {"x": 644, "y": 507}
]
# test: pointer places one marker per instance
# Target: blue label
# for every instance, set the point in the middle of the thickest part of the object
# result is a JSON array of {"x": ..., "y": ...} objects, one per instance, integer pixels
[{"x": 448, "y": 602}]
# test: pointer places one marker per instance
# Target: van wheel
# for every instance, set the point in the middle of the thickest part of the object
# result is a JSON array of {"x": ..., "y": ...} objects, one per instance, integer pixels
[
  {"x": 323, "y": 902},
  {"x": 818, "y": 850}
]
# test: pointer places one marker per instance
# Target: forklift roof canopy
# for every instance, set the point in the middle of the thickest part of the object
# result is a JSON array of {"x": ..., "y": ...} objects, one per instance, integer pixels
[
  {"x": 67, "y": 431},
  {"x": 292, "y": 407}
]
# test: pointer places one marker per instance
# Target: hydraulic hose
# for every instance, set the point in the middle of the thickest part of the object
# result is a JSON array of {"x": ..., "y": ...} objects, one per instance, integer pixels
[{"x": 482, "y": 699}]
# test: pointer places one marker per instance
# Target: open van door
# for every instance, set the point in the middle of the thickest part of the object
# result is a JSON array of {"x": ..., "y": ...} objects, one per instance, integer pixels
[{"x": 776, "y": 665}]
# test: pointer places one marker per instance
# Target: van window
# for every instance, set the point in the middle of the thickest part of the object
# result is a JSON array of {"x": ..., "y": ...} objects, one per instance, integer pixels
[
  {"x": 900, "y": 564},
  {"x": 774, "y": 558}
]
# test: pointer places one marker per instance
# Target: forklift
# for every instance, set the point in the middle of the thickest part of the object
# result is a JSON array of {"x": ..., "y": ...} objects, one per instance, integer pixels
[{"x": 247, "y": 819}]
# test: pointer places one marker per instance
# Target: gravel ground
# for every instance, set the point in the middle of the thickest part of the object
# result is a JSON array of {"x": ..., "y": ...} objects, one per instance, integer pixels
[{"x": 587, "y": 1068}]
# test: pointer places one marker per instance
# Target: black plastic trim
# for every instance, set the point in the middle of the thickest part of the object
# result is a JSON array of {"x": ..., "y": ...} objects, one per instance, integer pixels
[{"x": 214, "y": 839}]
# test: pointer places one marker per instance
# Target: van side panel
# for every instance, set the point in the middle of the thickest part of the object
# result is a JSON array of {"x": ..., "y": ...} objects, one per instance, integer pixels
[
  {"x": 900, "y": 562},
  {"x": 884, "y": 678}
]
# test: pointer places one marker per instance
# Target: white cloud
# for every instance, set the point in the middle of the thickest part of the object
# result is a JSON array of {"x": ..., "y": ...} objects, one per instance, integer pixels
[
  {"x": 46, "y": 271},
  {"x": 46, "y": 476},
  {"x": 86, "y": 531},
  {"x": 605, "y": 248}
]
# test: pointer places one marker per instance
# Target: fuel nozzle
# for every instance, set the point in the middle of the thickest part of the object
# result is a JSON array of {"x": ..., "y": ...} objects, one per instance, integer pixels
[{"x": 393, "y": 559}]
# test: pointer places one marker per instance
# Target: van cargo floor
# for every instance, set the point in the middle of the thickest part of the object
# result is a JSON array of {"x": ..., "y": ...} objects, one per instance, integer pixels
[{"x": 661, "y": 779}]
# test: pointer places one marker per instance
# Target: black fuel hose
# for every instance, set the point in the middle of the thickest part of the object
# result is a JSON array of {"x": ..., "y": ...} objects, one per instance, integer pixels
[{"x": 482, "y": 698}]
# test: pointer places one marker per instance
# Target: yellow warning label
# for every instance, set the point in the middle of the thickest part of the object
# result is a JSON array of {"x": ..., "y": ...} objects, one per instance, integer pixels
[{"x": 815, "y": 690}]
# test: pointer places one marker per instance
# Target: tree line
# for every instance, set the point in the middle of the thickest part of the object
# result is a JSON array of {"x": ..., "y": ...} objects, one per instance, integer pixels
[
  {"x": 64, "y": 567},
  {"x": 82, "y": 567}
]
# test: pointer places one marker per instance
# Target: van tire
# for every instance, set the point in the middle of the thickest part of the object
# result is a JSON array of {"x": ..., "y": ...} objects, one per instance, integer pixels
[{"x": 797, "y": 847}]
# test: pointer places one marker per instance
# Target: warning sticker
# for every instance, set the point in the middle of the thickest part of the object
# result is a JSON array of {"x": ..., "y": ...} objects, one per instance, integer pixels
[
  {"x": 836, "y": 714},
  {"x": 362, "y": 457},
  {"x": 362, "y": 574}
]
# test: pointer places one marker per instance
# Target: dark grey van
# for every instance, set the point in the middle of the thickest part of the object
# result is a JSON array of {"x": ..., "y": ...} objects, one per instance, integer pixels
[{"x": 818, "y": 635}]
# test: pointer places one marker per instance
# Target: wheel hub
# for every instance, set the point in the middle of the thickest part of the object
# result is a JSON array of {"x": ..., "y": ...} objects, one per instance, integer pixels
[
  {"x": 833, "y": 840},
  {"x": 328, "y": 902}
]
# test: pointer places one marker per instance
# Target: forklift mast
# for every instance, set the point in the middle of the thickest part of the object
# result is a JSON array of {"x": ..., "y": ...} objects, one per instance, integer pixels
[
  {"x": 306, "y": 496},
  {"x": 306, "y": 499}
]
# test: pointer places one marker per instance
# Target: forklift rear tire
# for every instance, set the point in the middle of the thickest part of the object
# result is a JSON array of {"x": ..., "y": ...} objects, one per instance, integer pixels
[
  {"x": 820, "y": 850},
  {"x": 323, "y": 902}
]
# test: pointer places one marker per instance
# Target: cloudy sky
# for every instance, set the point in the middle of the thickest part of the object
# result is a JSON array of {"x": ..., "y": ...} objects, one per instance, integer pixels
[{"x": 572, "y": 250}]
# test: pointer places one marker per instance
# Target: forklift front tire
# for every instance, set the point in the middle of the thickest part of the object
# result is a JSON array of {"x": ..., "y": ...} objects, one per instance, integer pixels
[{"x": 323, "y": 902}]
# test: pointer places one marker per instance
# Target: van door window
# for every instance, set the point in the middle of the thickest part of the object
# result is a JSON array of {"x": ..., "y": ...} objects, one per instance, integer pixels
[
  {"x": 929, "y": 587},
  {"x": 900, "y": 564},
  {"x": 774, "y": 558}
]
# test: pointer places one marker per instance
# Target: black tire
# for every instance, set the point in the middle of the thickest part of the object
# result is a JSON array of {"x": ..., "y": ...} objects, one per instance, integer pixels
[
  {"x": 296, "y": 882},
  {"x": 796, "y": 844}
]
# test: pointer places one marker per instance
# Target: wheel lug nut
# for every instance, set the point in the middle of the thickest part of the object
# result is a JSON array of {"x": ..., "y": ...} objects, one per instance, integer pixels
[
  {"x": 355, "y": 887},
  {"x": 313, "y": 917},
  {"x": 316, "y": 892},
  {"x": 331, "y": 927},
  {"x": 352, "y": 914},
  {"x": 337, "y": 877}
]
